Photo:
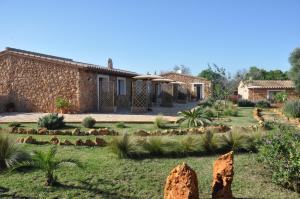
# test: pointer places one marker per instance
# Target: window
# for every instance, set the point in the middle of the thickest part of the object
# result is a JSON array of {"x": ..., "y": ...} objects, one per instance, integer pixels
[
  {"x": 272, "y": 93},
  {"x": 121, "y": 86}
]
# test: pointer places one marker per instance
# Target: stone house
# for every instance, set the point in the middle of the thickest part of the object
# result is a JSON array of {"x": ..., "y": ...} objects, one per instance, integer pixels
[
  {"x": 32, "y": 81},
  {"x": 198, "y": 88},
  {"x": 256, "y": 90}
]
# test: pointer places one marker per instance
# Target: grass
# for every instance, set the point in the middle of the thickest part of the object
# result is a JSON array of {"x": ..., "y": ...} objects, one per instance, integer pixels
[
  {"x": 105, "y": 176},
  {"x": 244, "y": 118}
]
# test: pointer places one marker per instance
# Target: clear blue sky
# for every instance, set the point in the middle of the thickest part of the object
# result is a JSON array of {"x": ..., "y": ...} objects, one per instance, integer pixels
[{"x": 149, "y": 35}]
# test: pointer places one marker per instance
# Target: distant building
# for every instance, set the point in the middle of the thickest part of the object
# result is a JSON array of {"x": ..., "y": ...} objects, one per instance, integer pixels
[{"x": 256, "y": 90}]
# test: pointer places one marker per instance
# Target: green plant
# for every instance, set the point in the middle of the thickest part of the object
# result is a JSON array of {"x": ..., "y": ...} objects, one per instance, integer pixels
[
  {"x": 61, "y": 103},
  {"x": 88, "y": 122},
  {"x": 189, "y": 145},
  {"x": 121, "y": 125},
  {"x": 14, "y": 124},
  {"x": 235, "y": 141},
  {"x": 245, "y": 103},
  {"x": 154, "y": 145},
  {"x": 280, "y": 152},
  {"x": 122, "y": 146},
  {"x": 209, "y": 143},
  {"x": 160, "y": 122},
  {"x": 280, "y": 97},
  {"x": 48, "y": 163},
  {"x": 194, "y": 117},
  {"x": 292, "y": 109},
  {"x": 51, "y": 121},
  {"x": 230, "y": 111},
  {"x": 10, "y": 152},
  {"x": 263, "y": 104}
]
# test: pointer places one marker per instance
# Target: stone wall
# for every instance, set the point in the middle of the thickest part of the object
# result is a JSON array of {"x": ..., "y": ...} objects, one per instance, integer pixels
[
  {"x": 188, "y": 79},
  {"x": 256, "y": 94},
  {"x": 34, "y": 84}
]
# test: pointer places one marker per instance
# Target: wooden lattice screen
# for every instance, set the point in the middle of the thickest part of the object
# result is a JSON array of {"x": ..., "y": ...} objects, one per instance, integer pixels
[
  {"x": 166, "y": 95},
  {"x": 140, "y": 96},
  {"x": 106, "y": 96},
  {"x": 182, "y": 94}
]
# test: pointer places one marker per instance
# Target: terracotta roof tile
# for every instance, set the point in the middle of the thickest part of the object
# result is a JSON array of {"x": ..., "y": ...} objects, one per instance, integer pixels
[{"x": 269, "y": 84}]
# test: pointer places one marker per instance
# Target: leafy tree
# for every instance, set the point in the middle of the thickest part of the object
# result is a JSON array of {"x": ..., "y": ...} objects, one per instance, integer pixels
[
  {"x": 184, "y": 69},
  {"x": 48, "y": 163},
  {"x": 256, "y": 73},
  {"x": 294, "y": 60}
]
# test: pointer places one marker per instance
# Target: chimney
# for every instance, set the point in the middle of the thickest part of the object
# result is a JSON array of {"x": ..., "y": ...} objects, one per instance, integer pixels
[
  {"x": 179, "y": 71},
  {"x": 110, "y": 63}
]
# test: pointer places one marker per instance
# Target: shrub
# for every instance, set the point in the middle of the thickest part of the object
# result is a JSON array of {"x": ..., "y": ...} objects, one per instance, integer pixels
[
  {"x": 280, "y": 97},
  {"x": 280, "y": 152},
  {"x": 121, "y": 146},
  {"x": 189, "y": 145},
  {"x": 209, "y": 143},
  {"x": 11, "y": 154},
  {"x": 154, "y": 145},
  {"x": 51, "y": 121},
  {"x": 206, "y": 103},
  {"x": 121, "y": 125},
  {"x": 292, "y": 109},
  {"x": 245, "y": 103},
  {"x": 230, "y": 111},
  {"x": 160, "y": 122},
  {"x": 88, "y": 122},
  {"x": 263, "y": 104},
  {"x": 235, "y": 141},
  {"x": 14, "y": 124},
  {"x": 62, "y": 104}
]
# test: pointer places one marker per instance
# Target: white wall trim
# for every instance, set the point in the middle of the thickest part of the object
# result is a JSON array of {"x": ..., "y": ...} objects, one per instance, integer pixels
[
  {"x": 121, "y": 78},
  {"x": 268, "y": 92},
  {"x": 98, "y": 94}
]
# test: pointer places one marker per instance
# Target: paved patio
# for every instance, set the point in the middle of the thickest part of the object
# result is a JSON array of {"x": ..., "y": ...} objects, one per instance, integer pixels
[{"x": 125, "y": 116}]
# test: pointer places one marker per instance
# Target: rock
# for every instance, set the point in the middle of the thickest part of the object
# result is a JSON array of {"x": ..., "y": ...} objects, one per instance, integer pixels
[
  {"x": 76, "y": 131},
  {"x": 100, "y": 142},
  {"x": 22, "y": 131},
  {"x": 103, "y": 131},
  {"x": 13, "y": 130},
  {"x": 54, "y": 140},
  {"x": 222, "y": 177},
  {"x": 67, "y": 143},
  {"x": 20, "y": 140},
  {"x": 182, "y": 183},
  {"x": 43, "y": 131},
  {"x": 67, "y": 132},
  {"x": 79, "y": 142},
  {"x": 141, "y": 133},
  {"x": 31, "y": 131},
  {"x": 92, "y": 132},
  {"x": 89, "y": 142},
  {"x": 29, "y": 140}
]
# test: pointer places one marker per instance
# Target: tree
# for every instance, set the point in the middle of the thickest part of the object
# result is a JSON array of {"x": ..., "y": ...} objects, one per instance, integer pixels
[
  {"x": 184, "y": 69},
  {"x": 256, "y": 73},
  {"x": 294, "y": 60}
]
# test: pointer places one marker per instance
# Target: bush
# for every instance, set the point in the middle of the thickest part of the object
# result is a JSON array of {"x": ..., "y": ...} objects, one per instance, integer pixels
[
  {"x": 206, "y": 103},
  {"x": 280, "y": 97},
  {"x": 280, "y": 151},
  {"x": 245, "y": 103},
  {"x": 231, "y": 111},
  {"x": 14, "y": 124},
  {"x": 263, "y": 104},
  {"x": 292, "y": 109},
  {"x": 209, "y": 143},
  {"x": 51, "y": 121},
  {"x": 61, "y": 103},
  {"x": 121, "y": 125},
  {"x": 121, "y": 146},
  {"x": 235, "y": 141},
  {"x": 160, "y": 122},
  {"x": 88, "y": 122},
  {"x": 189, "y": 145},
  {"x": 154, "y": 145}
]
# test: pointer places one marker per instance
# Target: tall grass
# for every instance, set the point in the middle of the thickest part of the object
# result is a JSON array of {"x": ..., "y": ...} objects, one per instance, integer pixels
[
  {"x": 209, "y": 143},
  {"x": 122, "y": 146}
]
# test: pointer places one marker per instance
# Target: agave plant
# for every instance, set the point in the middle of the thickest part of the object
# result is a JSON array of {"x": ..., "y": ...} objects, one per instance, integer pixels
[
  {"x": 48, "y": 163},
  {"x": 234, "y": 141},
  {"x": 194, "y": 117},
  {"x": 10, "y": 152},
  {"x": 121, "y": 146}
]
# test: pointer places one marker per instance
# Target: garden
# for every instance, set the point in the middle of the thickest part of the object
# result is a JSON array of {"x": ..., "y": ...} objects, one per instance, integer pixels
[{"x": 129, "y": 160}]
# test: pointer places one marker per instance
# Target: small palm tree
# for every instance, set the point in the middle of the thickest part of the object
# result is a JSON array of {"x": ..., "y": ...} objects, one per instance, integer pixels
[
  {"x": 10, "y": 152},
  {"x": 48, "y": 163},
  {"x": 194, "y": 117}
]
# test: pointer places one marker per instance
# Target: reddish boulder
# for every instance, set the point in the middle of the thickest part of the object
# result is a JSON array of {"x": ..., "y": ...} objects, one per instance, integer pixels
[
  {"x": 222, "y": 177},
  {"x": 182, "y": 183},
  {"x": 43, "y": 131},
  {"x": 20, "y": 140},
  {"x": 100, "y": 142},
  {"x": 30, "y": 140},
  {"x": 89, "y": 142}
]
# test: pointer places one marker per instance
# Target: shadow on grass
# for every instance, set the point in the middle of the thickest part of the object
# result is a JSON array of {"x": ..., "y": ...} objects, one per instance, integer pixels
[
  {"x": 3, "y": 194},
  {"x": 89, "y": 187}
]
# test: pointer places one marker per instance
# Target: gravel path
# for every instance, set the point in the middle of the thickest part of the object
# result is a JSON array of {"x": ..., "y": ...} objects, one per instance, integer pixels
[{"x": 125, "y": 116}]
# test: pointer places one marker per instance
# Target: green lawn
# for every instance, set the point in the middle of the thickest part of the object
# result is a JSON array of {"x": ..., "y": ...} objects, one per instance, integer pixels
[{"x": 106, "y": 176}]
